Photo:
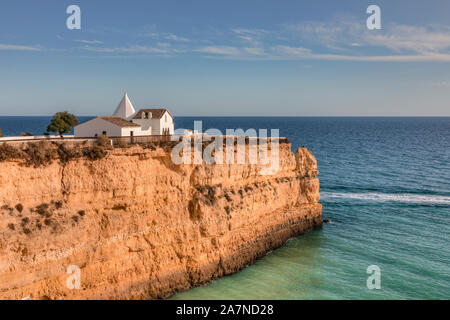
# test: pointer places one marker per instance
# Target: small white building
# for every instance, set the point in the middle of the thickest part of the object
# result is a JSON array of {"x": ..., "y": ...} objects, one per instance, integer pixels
[{"x": 126, "y": 122}]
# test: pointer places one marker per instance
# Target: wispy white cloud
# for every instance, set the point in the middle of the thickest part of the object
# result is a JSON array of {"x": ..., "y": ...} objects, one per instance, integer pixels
[
  {"x": 252, "y": 36},
  {"x": 338, "y": 33},
  {"x": 163, "y": 44},
  {"x": 129, "y": 49},
  {"x": 249, "y": 31},
  {"x": 148, "y": 34},
  {"x": 151, "y": 31},
  {"x": 283, "y": 52},
  {"x": 348, "y": 33},
  {"x": 411, "y": 38},
  {"x": 255, "y": 51},
  {"x": 300, "y": 53},
  {"x": 14, "y": 47},
  {"x": 89, "y": 41},
  {"x": 340, "y": 39},
  {"x": 246, "y": 38},
  {"x": 232, "y": 52},
  {"x": 176, "y": 38},
  {"x": 220, "y": 50},
  {"x": 291, "y": 51},
  {"x": 441, "y": 84}
]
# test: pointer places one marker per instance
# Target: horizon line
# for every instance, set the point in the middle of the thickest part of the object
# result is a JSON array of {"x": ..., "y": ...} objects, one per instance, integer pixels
[{"x": 268, "y": 116}]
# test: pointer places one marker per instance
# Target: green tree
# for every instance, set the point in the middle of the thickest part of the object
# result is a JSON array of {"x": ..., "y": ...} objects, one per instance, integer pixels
[
  {"x": 1, "y": 133},
  {"x": 62, "y": 122}
]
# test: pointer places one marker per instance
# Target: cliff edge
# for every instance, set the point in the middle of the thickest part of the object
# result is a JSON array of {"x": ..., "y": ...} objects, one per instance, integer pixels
[{"x": 138, "y": 227}]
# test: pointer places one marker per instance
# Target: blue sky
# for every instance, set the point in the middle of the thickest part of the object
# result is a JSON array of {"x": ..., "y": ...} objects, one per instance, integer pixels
[{"x": 264, "y": 58}]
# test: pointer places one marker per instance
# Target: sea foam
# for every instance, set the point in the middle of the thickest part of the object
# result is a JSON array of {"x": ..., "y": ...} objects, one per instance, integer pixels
[{"x": 388, "y": 197}]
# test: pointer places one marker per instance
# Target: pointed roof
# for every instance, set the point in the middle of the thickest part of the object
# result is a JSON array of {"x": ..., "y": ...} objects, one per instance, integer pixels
[{"x": 125, "y": 108}]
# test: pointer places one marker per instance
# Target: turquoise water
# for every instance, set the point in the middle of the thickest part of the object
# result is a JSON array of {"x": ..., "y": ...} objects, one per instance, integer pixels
[{"x": 385, "y": 185}]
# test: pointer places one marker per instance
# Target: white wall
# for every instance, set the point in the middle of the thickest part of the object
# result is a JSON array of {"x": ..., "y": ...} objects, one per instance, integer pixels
[
  {"x": 146, "y": 126},
  {"x": 169, "y": 123},
  {"x": 156, "y": 126},
  {"x": 164, "y": 124},
  {"x": 97, "y": 126},
  {"x": 126, "y": 132},
  {"x": 51, "y": 136}
]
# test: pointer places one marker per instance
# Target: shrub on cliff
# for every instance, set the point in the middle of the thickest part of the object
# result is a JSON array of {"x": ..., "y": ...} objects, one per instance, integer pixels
[
  {"x": 65, "y": 154},
  {"x": 42, "y": 210},
  {"x": 39, "y": 154},
  {"x": 6, "y": 207},
  {"x": 58, "y": 204},
  {"x": 43, "y": 153},
  {"x": 95, "y": 153},
  {"x": 104, "y": 141},
  {"x": 19, "y": 207},
  {"x": 122, "y": 143},
  {"x": 168, "y": 145},
  {"x": 8, "y": 152},
  {"x": 98, "y": 151},
  {"x": 149, "y": 145}
]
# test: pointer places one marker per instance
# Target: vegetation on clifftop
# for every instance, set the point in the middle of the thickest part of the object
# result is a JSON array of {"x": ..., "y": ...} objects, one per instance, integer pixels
[
  {"x": 62, "y": 122},
  {"x": 44, "y": 152}
]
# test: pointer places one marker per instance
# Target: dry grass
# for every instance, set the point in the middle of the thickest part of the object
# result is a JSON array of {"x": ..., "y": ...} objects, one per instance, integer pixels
[
  {"x": 122, "y": 143},
  {"x": 104, "y": 141},
  {"x": 39, "y": 154},
  {"x": 43, "y": 153},
  {"x": 95, "y": 153},
  {"x": 8, "y": 152}
]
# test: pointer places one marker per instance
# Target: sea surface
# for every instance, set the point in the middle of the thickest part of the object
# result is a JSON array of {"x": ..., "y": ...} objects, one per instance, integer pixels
[{"x": 385, "y": 186}]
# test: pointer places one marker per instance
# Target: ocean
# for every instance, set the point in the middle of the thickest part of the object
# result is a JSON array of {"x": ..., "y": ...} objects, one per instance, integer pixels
[{"x": 385, "y": 186}]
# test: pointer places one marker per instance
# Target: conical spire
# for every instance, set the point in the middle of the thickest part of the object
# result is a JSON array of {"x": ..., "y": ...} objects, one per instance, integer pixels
[{"x": 125, "y": 108}]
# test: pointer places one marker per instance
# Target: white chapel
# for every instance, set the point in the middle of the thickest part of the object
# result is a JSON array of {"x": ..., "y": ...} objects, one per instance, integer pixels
[{"x": 126, "y": 122}]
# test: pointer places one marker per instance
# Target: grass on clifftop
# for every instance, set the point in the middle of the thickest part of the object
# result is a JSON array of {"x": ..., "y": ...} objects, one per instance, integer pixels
[{"x": 42, "y": 153}]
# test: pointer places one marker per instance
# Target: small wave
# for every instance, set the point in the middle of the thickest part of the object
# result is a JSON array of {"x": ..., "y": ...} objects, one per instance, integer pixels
[{"x": 388, "y": 197}]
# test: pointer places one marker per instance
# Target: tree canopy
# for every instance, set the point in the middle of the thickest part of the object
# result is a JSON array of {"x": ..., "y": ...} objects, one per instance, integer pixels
[{"x": 62, "y": 122}]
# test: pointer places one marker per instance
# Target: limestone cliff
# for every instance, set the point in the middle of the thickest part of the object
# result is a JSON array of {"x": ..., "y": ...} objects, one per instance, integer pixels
[{"x": 140, "y": 227}]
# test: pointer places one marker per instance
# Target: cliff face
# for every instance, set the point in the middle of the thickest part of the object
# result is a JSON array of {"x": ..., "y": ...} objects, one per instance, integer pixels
[{"x": 140, "y": 227}]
